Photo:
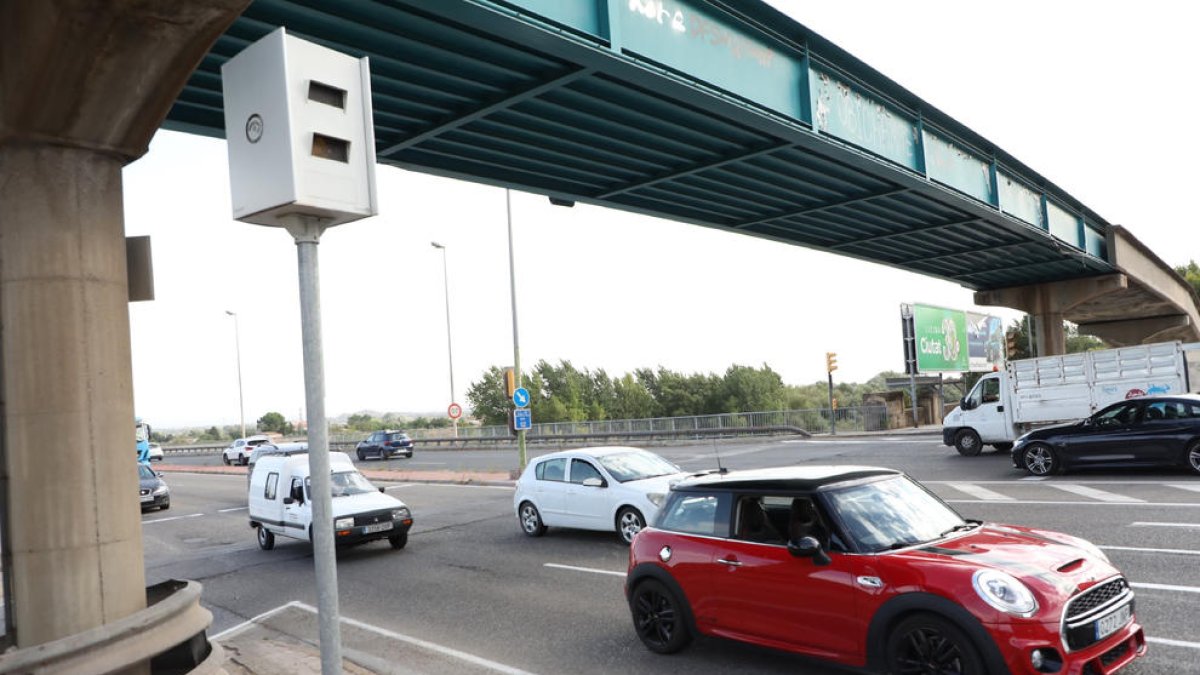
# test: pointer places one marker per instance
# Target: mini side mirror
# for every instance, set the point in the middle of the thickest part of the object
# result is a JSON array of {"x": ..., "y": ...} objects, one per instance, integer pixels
[
  {"x": 158, "y": 473},
  {"x": 593, "y": 482},
  {"x": 809, "y": 547}
]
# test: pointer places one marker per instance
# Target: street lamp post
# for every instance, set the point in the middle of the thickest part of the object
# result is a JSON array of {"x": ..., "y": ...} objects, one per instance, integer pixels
[
  {"x": 237, "y": 338},
  {"x": 449, "y": 341}
]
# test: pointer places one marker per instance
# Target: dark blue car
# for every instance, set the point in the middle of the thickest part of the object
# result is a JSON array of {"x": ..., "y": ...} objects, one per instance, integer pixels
[{"x": 1143, "y": 431}]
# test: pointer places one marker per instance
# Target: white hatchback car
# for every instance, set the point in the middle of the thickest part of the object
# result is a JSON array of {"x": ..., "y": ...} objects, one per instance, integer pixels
[{"x": 615, "y": 488}]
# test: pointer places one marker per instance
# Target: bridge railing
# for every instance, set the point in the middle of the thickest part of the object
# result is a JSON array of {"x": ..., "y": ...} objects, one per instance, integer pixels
[{"x": 726, "y": 425}]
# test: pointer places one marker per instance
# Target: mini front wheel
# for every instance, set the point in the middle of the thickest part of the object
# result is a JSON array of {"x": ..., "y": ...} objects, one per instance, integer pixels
[{"x": 929, "y": 644}]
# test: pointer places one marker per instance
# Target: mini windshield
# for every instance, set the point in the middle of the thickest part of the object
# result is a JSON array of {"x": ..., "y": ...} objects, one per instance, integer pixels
[
  {"x": 891, "y": 513},
  {"x": 627, "y": 466},
  {"x": 345, "y": 483}
]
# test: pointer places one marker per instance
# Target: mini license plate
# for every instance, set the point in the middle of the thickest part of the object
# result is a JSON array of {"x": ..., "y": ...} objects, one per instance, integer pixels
[
  {"x": 380, "y": 527},
  {"x": 1107, "y": 625},
  {"x": 147, "y": 498}
]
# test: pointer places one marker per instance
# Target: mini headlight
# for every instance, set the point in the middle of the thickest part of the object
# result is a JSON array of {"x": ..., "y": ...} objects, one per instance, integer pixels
[
  {"x": 343, "y": 523},
  {"x": 656, "y": 498},
  {"x": 400, "y": 514},
  {"x": 1004, "y": 592},
  {"x": 160, "y": 490}
]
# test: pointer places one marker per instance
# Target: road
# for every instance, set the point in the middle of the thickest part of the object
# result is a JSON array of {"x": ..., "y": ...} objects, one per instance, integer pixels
[{"x": 470, "y": 593}]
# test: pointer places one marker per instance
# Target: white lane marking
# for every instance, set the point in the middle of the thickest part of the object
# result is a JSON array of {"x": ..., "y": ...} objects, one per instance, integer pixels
[
  {"x": 248, "y": 622},
  {"x": 1167, "y": 587},
  {"x": 164, "y": 520},
  {"x": 1034, "y": 502},
  {"x": 830, "y": 441},
  {"x": 1151, "y": 524},
  {"x": 484, "y": 487},
  {"x": 397, "y": 487},
  {"x": 1173, "y": 643},
  {"x": 591, "y": 570},
  {"x": 1034, "y": 478},
  {"x": 462, "y": 656},
  {"x": 1190, "y": 487},
  {"x": 1135, "y": 549},
  {"x": 1102, "y": 495},
  {"x": 236, "y": 508},
  {"x": 980, "y": 492},
  {"x": 428, "y": 463}
]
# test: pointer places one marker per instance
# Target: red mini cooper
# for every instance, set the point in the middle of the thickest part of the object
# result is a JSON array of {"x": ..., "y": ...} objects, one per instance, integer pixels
[{"x": 865, "y": 567}]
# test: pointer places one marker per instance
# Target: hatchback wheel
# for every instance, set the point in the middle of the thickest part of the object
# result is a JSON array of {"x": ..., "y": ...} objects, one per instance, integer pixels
[
  {"x": 967, "y": 443},
  {"x": 1039, "y": 460},
  {"x": 1193, "y": 457},
  {"x": 266, "y": 539},
  {"x": 658, "y": 618},
  {"x": 629, "y": 522},
  {"x": 929, "y": 644},
  {"x": 531, "y": 520}
]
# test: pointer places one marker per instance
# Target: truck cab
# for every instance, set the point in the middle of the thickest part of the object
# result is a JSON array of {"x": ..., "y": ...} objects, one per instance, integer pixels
[
  {"x": 280, "y": 500},
  {"x": 981, "y": 418}
]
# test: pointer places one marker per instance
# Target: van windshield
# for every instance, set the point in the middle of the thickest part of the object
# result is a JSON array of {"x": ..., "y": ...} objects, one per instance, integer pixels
[{"x": 345, "y": 483}]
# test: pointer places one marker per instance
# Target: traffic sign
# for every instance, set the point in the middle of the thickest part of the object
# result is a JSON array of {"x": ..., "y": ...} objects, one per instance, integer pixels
[
  {"x": 523, "y": 418},
  {"x": 521, "y": 397},
  {"x": 454, "y": 411}
]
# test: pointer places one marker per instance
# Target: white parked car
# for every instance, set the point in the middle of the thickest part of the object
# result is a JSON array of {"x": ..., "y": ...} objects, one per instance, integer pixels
[
  {"x": 614, "y": 488},
  {"x": 156, "y": 453},
  {"x": 239, "y": 450}
]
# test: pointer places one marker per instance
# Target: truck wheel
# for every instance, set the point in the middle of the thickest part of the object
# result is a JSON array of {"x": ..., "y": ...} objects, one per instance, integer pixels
[
  {"x": 266, "y": 540},
  {"x": 1039, "y": 460},
  {"x": 967, "y": 443}
]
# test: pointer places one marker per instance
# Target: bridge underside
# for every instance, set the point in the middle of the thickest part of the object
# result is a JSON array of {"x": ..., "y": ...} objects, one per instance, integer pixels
[{"x": 727, "y": 114}]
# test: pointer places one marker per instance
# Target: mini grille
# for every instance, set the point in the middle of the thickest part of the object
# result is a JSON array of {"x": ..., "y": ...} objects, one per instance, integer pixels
[{"x": 1092, "y": 599}]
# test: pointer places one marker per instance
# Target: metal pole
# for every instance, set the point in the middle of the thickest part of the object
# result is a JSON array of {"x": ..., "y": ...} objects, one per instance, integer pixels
[
  {"x": 237, "y": 339},
  {"x": 832, "y": 421},
  {"x": 512, "y": 282},
  {"x": 306, "y": 230},
  {"x": 449, "y": 342}
]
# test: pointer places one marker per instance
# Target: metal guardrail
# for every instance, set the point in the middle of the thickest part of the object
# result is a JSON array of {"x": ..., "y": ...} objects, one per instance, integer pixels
[{"x": 802, "y": 422}]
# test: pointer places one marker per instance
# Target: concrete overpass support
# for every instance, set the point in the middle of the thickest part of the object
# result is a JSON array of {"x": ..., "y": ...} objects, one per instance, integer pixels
[
  {"x": 84, "y": 84},
  {"x": 1048, "y": 304}
]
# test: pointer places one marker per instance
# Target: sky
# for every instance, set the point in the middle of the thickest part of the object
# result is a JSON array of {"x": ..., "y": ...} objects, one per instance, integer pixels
[{"x": 1096, "y": 96}]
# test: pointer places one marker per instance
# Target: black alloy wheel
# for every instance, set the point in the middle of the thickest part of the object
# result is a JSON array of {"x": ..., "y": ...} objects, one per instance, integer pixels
[
  {"x": 658, "y": 618},
  {"x": 1039, "y": 459},
  {"x": 1193, "y": 456},
  {"x": 967, "y": 443},
  {"x": 929, "y": 645}
]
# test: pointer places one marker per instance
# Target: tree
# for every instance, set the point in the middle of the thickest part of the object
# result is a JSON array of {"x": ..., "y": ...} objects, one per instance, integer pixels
[
  {"x": 489, "y": 398},
  {"x": 274, "y": 422},
  {"x": 745, "y": 389},
  {"x": 1191, "y": 274}
]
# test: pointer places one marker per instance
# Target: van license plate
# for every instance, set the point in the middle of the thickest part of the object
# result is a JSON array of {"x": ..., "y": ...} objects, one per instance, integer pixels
[
  {"x": 377, "y": 527},
  {"x": 1107, "y": 625}
]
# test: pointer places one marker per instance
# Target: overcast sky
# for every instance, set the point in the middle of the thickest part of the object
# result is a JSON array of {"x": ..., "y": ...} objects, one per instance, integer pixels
[{"x": 1096, "y": 96}]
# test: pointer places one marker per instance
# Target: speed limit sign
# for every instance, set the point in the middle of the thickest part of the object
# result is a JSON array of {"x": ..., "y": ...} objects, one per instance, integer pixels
[{"x": 454, "y": 411}]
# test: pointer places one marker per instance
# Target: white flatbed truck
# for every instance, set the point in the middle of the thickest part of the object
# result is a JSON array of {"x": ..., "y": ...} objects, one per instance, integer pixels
[{"x": 1034, "y": 392}]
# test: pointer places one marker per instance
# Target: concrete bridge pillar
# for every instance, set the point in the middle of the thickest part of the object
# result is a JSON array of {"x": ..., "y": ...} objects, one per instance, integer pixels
[
  {"x": 84, "y": 84},
  {"x": 1048, "y": 303}
]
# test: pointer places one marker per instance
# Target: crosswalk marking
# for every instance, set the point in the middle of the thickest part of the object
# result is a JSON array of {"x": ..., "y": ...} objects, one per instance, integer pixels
[
  {"x": 980, "y": 492},
  {"x": 1190, "y": 487},
  {"x": 1152, "y": 524},
  {"x": 1093, "y": 493}
]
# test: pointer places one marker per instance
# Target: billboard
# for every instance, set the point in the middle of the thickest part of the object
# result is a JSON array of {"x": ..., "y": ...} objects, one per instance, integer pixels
[{"x": 941, "y": 339}]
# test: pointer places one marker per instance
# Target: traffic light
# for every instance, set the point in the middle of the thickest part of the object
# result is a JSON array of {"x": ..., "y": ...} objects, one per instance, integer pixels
[
  {"x": 830, "y": 361},
  {"x": 833, "y": 403},
  {"x": 510, "y": 382},
  {"x": 1010, "y": 344}
]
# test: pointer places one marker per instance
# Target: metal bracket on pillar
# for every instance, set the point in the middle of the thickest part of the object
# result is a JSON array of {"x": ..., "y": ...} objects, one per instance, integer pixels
[{"x": 305, "y": 229}]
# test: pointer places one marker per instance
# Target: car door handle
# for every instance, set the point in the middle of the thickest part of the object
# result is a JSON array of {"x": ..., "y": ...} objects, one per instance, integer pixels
[{"x": 732, "y": 562}]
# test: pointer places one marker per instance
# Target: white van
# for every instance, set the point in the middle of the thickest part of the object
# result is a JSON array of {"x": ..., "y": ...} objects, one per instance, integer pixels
[{"x": 281, "y": 503}]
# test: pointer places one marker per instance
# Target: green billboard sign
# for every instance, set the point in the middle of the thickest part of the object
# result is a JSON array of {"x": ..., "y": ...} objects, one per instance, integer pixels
[{"x": 940, "y": 337}]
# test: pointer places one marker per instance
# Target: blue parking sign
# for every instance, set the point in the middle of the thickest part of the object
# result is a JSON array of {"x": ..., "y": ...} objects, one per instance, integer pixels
[{"x": 523, "y": 419}]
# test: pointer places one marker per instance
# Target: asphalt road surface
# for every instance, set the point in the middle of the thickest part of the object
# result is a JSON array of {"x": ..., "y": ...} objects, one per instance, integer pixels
[{"x": 472, "y": 594}]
